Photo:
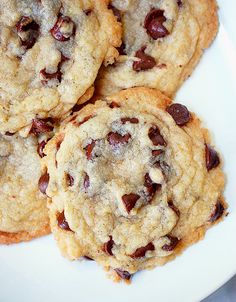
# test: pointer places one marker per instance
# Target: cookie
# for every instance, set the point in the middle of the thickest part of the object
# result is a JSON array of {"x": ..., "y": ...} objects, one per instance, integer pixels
[
  {"x": 162, "y": 43},
  {"x": 50, "y": 53},
  {"x": 134, "y": 179},
  {"x": 23, "y": 208}
]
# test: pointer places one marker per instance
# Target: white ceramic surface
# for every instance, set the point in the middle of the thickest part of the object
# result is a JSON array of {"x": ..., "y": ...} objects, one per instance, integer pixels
[{"x": 36, "y": 272}]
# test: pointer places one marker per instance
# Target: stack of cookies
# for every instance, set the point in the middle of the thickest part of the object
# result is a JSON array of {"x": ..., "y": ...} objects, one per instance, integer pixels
[{"x": 92, "y": 147}]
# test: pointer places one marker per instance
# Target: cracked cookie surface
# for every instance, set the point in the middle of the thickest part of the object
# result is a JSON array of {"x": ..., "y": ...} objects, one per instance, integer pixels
[
  {"x": 50, "y": 53},
  {"x": 162, "y": 43},
  {"x": 23, "y": 209},
  {"x": 133, "y": 179}
]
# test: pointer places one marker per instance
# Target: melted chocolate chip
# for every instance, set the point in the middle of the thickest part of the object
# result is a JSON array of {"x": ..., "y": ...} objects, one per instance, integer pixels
[
  {"x": 40, "y": 126},
  {"x": 116, "y": 12},
  {"x": 179, "y": 113},
  {"x": 43, "y": 183},
  {"x": 107, "y": 247},
  {"x": 218, "y": 212},
  {"x": 40, "y": 148},
  {"x": 69, "y": 180},
  {"x": 154, "y": 24},
  {"x": 63, "y": 29},
  {"x": 130, "y": 200},
  {"x": 114, "y": 105},
  {"x": 212, "y": 158},
  {"x": 140, "y": 252},
  {"x": 89, "y": 149},
  {"x": 122, "y": 274},
  {"x": 145, "y": 61},
  {"x": 156, "y": 137},
  {"x": 172, "y": 245},
  {"x": 115, "y": 138},
  {"x": 86, "y": 182},
  {"x": 174, "y": 208},
  {"x": 132, "y": 120},
  {"x": 151, "y": 187},
  {"x": 49, "y": 76},
  {"x": 30, "y": 29},
  {"x": 62, "y": 223}
]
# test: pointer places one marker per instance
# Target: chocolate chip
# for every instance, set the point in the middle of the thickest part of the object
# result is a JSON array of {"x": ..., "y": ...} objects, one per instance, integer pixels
[
  {"x": 107, "y": 247},
  {"x": 49, "y": 76},
  {"x": 121, "y": 49},
  {"x": 157, "y": 152},
  {"x": 122, "y": 274},
  {"x": 130, "y": 200},
  {"x": 212, "y": 158},
  {"x": 28, "y": 31},
  {"x": 172, "y": 245},
  {"x": 179, "y": 113},
  {"x": 132, "y": 120},
  {"x": 26, "y": 23},
  {"x": 69, "y": 180},
  {"x": 62, "y": 223},
  {"x": 86, "y": 182},
  {"x": 114, "y": 105},
  {"x": 89, "y": 149},
  {"x": 43, "y": 183},
  {"x": 55, "y": 75},
  {"x": 179, "y": 3},
  {"x": 218, "y": 212},
  {"x": 145, "y": 61},
  {"x": 115, "y": 138},
  {"x": 87, "y": 11},
  {"x": 116, "y": 12},
  {"x": 156, "y": 137},
  {"x": 154, "y": 24},
  {"x": 174, "y": 208},
  {"x": 63, "y": 29},
  {"x": 9, "y": 133},
  {"x": 40, "y": 148},
  {"x": 151, "y": 187},
  {"x": 40, "y": 126},
  {"x": 140, "y": 252}
]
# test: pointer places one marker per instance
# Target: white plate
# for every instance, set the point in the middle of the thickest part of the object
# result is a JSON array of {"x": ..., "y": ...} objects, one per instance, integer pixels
[{"x": 35, "y": 271}]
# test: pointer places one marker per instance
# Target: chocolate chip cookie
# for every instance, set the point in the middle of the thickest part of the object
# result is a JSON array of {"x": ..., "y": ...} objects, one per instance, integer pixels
[
  {"x": 133, "y": 179},
  {"x": 23, "y": 208},
  {"x": 50, "y": 53},
  {"x": 162, "y": 43}
]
